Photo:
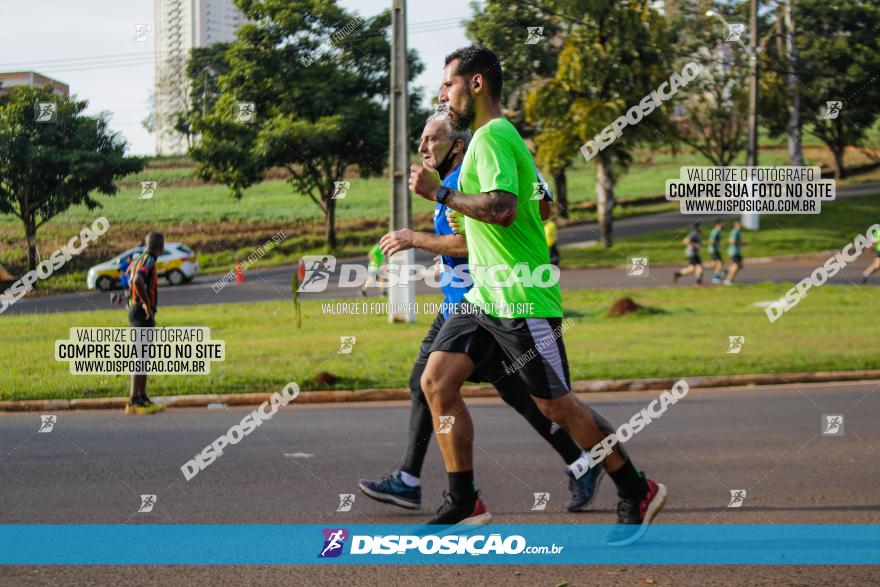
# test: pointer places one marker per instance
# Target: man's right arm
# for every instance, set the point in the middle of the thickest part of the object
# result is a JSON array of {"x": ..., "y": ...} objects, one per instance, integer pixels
[
  {"x": 143, "y": 295},
  {"x": 453, "y": 245}
]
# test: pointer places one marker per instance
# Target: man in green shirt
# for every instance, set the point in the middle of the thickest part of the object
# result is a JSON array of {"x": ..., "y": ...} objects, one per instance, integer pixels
[
  {"x": 715, "y": 250},
  {"x": 875, "y": 265},
  {"x": 735, "y": 252},
  {"x": 513, "y": 306}
]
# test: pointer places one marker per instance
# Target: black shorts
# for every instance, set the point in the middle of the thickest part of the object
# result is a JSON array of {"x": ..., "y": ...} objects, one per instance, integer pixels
[
  {"x": 137, "y": 318},
  {"x": 878, "y": 252},
  {"x": 716, "y": 256},
  {"x": 530, "y": 348},
  {"x": 737, "y": 259},
  {"x": 695, "y": 260},
  {"x": 489, "y": 371}
]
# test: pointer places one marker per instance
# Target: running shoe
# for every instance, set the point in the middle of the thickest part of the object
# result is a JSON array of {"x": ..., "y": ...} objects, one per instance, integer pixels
[
  {"x": 453, "y": 514},
  {"x": 142, "y": 407},
  {"x": 634, "y": 515},
  {"x": 392, "y": 489},
  {"x": 716, "y": 279},
  {"x": 728, "y": 282},
  {"x": 584, "y": 489}
]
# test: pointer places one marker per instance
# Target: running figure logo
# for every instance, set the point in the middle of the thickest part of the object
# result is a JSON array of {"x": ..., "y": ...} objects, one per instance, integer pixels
[
  {"x": 534, "y": 35},
  {"x": 148, "y": 188},
  {"x": 334, "y": 540},
  {"x": 317, "y": 273},
  {"x": 247, "y": 111},
  {"x": 340, "y": 189},
  {"x": 832, "y": 424},
  {"x": 734, "y": 32},
  {"x": 47, "y": 423},
  {"x": 141, "y": 31},
  {"x": 638, "y": 267},
  {"x": 541, "y": 500},
  {"x": 147, "y": 503},
  {"x": 736, "y": 344},
  {"x": 539, "y": 191},
  {"x": 737, "y": 497},
  {"x": 45, "y": 112},
  {"x": 832, "y": 109},
  {"x": 346, "y": 344},
  {"x": 346, "y": 500},
  {"x": 446, "y": 423}
]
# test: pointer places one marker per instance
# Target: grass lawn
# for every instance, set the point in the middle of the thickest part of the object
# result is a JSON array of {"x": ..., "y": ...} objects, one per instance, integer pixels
[
  {"x": 686, "y": 336},
  {"x": 837, "y": 225},
  {"x": 222, "y": 229}
]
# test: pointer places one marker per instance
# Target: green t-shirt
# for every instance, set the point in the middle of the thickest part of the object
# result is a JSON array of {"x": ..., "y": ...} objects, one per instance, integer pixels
[
  {"x": 876, "y": 235},
  {"x": 498, "y": 160},
  {"x": 735, "y": 241},
  {"x": 715, "y": 240},
  {"x": 375, "y": 256}
]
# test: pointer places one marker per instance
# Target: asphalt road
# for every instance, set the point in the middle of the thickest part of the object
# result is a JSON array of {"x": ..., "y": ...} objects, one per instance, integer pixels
[
  {"x": 93, "y": 467},
  {"x": 275, "y": 283}
]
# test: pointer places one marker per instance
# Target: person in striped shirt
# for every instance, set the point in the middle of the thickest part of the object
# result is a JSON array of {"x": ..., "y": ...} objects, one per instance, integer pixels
[{"x": 142, "y": 302}]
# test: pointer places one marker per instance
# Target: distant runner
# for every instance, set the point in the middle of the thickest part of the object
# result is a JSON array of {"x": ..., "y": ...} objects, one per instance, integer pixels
[
  {"x": 715, "y": 250},
  {"x": 376, "y": 260},
  {"x": 876, "y": 264},
  {"x": 735, "y": 252},
  {"x": 692, "y": 252}
]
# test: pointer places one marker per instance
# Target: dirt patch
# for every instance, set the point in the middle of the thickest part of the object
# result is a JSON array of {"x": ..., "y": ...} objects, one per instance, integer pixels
[
  {"x": 623, "y": 307},
  {"x": 325, "y": 380}
]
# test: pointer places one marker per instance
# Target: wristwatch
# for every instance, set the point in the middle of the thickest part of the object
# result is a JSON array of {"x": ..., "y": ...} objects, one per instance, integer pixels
[{"x": 442, "y": 194}]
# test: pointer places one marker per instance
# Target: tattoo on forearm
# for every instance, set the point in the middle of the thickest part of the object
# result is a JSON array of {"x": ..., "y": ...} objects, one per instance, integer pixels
[{"x": 492, "y": 207}]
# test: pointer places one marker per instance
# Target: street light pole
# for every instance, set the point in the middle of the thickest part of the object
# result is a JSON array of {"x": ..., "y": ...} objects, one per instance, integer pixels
[
  {"x": 401, "y": 297},
  {"x": 752, "y": 221}
]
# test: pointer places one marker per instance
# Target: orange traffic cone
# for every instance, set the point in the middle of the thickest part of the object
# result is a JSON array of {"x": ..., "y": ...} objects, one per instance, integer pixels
[{"x": 239, "y": 274}]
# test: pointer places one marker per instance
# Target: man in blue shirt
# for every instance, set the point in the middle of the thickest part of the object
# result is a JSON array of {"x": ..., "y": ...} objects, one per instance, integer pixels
[{"x": 443, "y": 149}]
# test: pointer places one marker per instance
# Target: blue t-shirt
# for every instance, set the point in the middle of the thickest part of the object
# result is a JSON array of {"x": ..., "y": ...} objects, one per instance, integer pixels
[{"x": 451, "y": 294}]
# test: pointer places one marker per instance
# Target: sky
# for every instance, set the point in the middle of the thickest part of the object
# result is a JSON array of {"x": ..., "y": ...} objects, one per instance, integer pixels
[{"x": 90, "y": 45}]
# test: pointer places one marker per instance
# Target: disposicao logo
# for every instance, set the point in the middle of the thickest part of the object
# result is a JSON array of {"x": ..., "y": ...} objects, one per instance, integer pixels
[{"x": 334, "y": 540}]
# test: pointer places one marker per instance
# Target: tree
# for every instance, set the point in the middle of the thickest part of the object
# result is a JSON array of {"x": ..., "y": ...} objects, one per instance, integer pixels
[
  {"x": 47, "y": 167},
  {"x": 615, "y": 54},
  {"x": 711, "y": 113},
  {"x": 504, "y": 28},
  {"x": 318, "y": 78},
  {"x": 838, "y": 60}
]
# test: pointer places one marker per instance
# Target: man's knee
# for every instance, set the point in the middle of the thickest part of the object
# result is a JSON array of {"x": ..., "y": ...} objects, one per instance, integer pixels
[{"x": 556, "y": 409}]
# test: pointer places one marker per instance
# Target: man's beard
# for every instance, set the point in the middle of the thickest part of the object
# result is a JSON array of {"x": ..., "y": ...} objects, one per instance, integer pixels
[{"x": 461, "y": 121}]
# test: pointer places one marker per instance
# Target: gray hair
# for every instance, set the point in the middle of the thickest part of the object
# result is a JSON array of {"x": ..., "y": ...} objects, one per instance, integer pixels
[{"x": 454, "y": 135}]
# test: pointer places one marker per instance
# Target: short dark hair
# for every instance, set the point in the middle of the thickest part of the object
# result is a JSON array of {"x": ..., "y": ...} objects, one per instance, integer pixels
[
  {"x": 153, "y": 240},
  {"x": 478, "y": 59}
]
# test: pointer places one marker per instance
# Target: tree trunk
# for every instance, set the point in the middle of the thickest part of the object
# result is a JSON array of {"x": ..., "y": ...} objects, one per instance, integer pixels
[
  {"x": 30, "y": 231},
  {"x": 604, "y": 197},
  {"x": 560, "y": 182},
  {"x": 330, "y": 223},
  {"x": 839, "y": 169}
]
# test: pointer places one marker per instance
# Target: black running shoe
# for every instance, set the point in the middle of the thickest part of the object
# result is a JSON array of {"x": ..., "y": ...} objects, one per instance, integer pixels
[
  {"x": 634, "y": 515},
  {"x": 452, "y": 514}
]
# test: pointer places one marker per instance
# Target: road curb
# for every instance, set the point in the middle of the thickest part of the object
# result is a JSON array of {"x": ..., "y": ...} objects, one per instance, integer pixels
[{"x": 393, "y": 394}]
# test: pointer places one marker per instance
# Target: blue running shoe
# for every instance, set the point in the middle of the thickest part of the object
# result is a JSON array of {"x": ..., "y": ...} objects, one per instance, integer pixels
[
  {"x": 392, "y": 489},
  {"x": 585, "y": 489}
]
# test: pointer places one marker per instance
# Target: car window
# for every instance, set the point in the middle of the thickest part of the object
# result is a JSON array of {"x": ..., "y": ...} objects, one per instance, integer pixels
[
  {"x": 166, "y": 252},
  {"x": 185, "y": 249}
]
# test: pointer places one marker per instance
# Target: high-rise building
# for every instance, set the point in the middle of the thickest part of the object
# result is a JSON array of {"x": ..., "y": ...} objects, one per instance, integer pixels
[{"x": 180, "y": 25}]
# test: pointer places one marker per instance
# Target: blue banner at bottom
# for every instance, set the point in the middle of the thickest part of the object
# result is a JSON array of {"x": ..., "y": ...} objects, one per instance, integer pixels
[{"x": 586, "y": 544}]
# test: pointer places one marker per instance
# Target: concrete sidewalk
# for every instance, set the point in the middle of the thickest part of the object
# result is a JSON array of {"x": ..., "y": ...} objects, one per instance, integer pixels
[{"x": 397, "y": 394}]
